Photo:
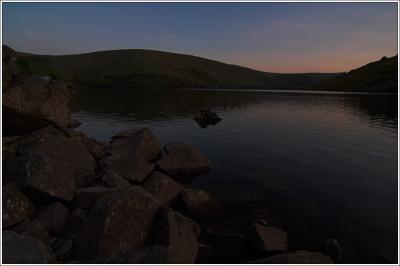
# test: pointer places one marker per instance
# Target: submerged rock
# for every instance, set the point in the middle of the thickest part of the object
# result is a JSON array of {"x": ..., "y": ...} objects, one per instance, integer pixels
[
  {"x": 33, "y": 103},
  {"x": 47, "y": 162},
  {"x": 184, "y": 162},
  {"x": 207, "y": 117},
  {"x": 16, "y": 207},
  {"x": 179, "y": 234},
  {"x": 119, "y": 223},
  {"x": 164, "y": 188},
  {"x": 20, "y": 249},
  {"x": 296, "y": 257}
]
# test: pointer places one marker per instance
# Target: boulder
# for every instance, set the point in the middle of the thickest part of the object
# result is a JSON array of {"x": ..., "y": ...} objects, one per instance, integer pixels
[
  {"x": 47, "y": 163},
  {"x": 112, "y": 179},
  {"x": 296, "y": 257},
  {"x": 148, "y": 255},
  {"x": 119, "y": 223},
  {"x": 267, "y": 239},
  {"x": 172, "y": 145},
  {"x": 133, "y": 168},
  {"x": 86, "y": 176},
  {"x": 164, "y": 188},
  {"x": 33, "y": 103},
  {"x": 20, "y": 249},
  {"x": 54, "y": 218},
  {"x": 184, "y": 162},
  {"x": 16, "y": 207},
  {"x": 96, "y": 148},
  {"x": 76, "y": 220},
  {"x": 85, "y": 198},
  {"x": 200, "y": 203},
  {"x": 35, "y": 229},
  {"x": 179, "y": 234}
]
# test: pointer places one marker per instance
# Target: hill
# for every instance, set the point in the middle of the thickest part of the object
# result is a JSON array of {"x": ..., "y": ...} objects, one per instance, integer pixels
[
  {"x": 147, "y": 69},
  {"x": 378, "y": 76}
]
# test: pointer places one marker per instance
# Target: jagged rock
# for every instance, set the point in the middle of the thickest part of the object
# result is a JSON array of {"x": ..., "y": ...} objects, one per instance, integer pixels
[
  {"x": 54, "y": 218},
  {"x": 179, "y": 234},
  {"x": 201, "y": 203},
  {"x": 267, "y": 239},
  {"x": 164, "y": 188},
  {"x": 112, "y": 179},
  {"x": 16, "y": 207},
  {"x": 148, "y": 255},
  {"x": 77, "y": 219},
  {"x": 119, "y": 223},
  {"x": 73, "y": 123},
  {"x": 133, "y": 142},
  {"x": 85, "y": 198},
  {"x": 37, "y": 230},
  {"x": 207, "y": 117},
  {"x": 184, "y": 162},
  {"x": 95, "y": 147},
  {"x": 9, "y": 59},
  {"x": 20, "y": 249},
  {"x": 47, "y": 162},
  {"x": 296, "y": 257},
  {"x": 133, "y": 168},
  {"x": 33, "y": 103}
]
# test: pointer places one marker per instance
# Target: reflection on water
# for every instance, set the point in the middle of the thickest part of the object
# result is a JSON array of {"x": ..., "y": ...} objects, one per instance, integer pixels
[{"x": 330, "y": 159}]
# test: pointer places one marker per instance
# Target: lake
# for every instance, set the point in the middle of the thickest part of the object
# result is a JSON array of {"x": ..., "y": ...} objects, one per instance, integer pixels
[{"x": 329, "y": 159}]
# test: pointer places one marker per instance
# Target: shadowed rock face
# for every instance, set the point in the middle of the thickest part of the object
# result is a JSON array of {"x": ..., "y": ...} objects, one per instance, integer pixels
[
  {"x": 268, "y": 239},
  {"x": 33, "y": 103},
  {"x": 16, "y": 206},
  {"x": 201, "y": 203},
  {"x": 119, "y": 223},
  {"x": 164, "y": 188},
  {"x": 47, "y": 162},
  {"x": 179, "y": 234},
  {"x": 20, "y": 249},
  {"x": 54, "y": 218}
]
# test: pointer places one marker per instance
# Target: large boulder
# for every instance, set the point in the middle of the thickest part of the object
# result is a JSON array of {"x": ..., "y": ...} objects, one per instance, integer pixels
[
  {"x": 164, "y": 188},
  {"x": 85, "y": 198},
  {"x": 200, "y": 203},
  {"x": 131, "y": 153},
  {"x": 112, "y": 179},
  {"x": 33, "y": 103},
  {"x": 34, "y": 229},
  {"x": 54, "y": 218},
  {"x": 16, "y": 207},
  {"x": 47, "y": 163},
  {"x": 184, "y": 162},
  {"x": 119, "y": 223},
  {"x": 20, "y": 249},
  {"x": 267, "y": 239},
  {"x": 296, "y": 257},
  {"x": 179, "y": 234}
]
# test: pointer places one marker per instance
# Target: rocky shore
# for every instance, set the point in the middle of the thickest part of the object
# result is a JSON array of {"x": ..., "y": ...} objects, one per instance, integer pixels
[{"x": 68, "y": 198}]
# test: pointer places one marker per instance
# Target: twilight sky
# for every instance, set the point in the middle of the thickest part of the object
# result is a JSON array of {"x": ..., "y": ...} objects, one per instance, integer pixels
[{"x": 274, "y": 37}]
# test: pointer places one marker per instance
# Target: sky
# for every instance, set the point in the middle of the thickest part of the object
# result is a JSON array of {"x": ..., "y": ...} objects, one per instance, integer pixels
[{"x": 272, "y": 37}]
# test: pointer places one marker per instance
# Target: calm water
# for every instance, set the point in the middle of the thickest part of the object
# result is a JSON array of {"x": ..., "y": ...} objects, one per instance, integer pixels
[{"x": 331, "y": 159}]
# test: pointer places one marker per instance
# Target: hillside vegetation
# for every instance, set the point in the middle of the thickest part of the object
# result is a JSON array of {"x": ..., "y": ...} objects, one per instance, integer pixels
[
  {"x": 147, "y": 69},
  {"x": 378, "y": 76}
]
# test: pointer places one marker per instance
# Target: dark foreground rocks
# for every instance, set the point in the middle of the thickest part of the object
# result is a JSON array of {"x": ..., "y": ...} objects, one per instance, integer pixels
[{"x": 16, "y": 206}]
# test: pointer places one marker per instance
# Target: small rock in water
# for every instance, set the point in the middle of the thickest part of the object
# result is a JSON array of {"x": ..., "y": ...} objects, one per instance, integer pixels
[{"x": 207, "y": 117}]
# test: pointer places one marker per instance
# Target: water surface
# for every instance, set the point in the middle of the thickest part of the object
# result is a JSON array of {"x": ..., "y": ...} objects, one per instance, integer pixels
[{"x": 329, "y": 158}]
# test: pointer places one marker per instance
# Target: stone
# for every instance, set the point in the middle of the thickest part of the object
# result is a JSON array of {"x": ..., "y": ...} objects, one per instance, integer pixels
[
  {"x": 131, "y": 143},
  {"x": 119, "y": 223},
  {"x": 148, "y": 255},
  {"x": 33, "y": 103},
  {"x": 179, "y": 234},
  {"x": 200, "y": 203},
  {"x": 172, "y": 145},
  {"x": 63, "y": 252},
  {"x": 133, "y": 168},
  {"x": 73, "y": 123},
  {"x": 54, "y": 218},
  {"x": 267, "y": 239},
  {"x": 207, "y": 117},
  {"x": 35, "y": 229},
  {"x": 162, "y": 187},
  {"x": 296, "y": 257},
  {"x": 16, "y": 206},
  {"x": 47, "y": 162},
  {"x": 85, "y": 198},
  {"x": 112, "y": 179},
  {"x": 77, "y": 219},
  {"x": 20, "y": 249},
  {"x": 96, "y": 148},
  {"x": 86, "y": 175},
  {"x": 184, "y": 162}
]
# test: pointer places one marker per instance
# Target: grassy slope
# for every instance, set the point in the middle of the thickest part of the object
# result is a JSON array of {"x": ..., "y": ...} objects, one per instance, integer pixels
[
  {"x": 378, "y": 76},
  {"x": 149, "y": 69}
]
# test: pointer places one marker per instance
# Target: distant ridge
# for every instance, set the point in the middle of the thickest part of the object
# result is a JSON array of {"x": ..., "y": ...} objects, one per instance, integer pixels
[
  {"x": 378, "y": 76},
  {"x": 147, "y": 69}
]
